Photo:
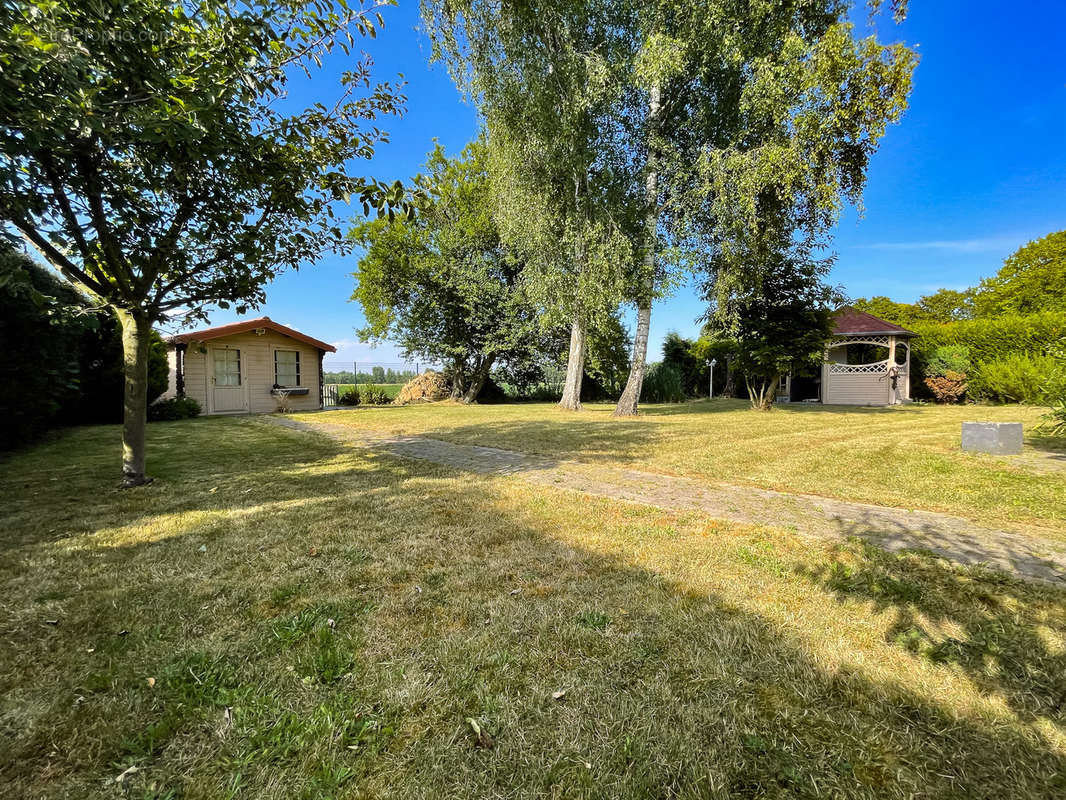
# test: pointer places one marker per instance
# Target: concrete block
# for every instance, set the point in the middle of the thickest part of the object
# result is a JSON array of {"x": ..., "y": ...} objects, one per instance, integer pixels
[{"x": 999, "y": 438}]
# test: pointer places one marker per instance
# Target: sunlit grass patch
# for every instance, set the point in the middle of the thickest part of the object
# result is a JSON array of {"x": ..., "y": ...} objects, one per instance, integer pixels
[{"x": 905, "y": 456}]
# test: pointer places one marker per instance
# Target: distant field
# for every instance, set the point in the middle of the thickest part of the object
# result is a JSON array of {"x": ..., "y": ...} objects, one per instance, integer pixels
[{"x": 391, "y": 389}]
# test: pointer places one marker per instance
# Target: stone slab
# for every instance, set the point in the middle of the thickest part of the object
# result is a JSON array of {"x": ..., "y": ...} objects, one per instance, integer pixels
[{"x": 998, "y": 438}]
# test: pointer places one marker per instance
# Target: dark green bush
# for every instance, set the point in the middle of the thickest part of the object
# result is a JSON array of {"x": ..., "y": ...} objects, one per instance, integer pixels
[
  {"x": 173, "y": 408},
  {"x": 62, "y": 360},
  {"x": 662, "y": 384},
  {"x": 350, "y": 398}
]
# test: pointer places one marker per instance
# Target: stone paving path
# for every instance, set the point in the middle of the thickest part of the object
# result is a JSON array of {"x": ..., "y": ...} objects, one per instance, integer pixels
[{"x": 1025, "y": 554}]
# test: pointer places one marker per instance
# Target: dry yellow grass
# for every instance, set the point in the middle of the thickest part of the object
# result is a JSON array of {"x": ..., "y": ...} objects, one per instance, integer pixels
[
  {"x": 907, "y": 456},
  {"x": 276, "y": 617}
]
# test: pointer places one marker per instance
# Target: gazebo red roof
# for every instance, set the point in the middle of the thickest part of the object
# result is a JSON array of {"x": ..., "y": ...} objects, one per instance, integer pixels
[
  {"x": 250, "y": 325},
  {"x": 848, "y": 321}
]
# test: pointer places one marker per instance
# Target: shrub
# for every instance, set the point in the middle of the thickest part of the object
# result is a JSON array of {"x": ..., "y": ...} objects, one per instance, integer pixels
[
  {"x": 373, "y": 396},
  {"x": 947, "y": 388},
  {"x": 948, "y": 358},
  {"x": 173, "y": 408},
  {"x": 946, "y": 371},
  {"x": 662, "y": 384},
  {"x": 1054, "y": 422},
  {"x": 66, "y": 354},
  {"x": 1017, "y": 378},
  {"x": 350, "y": 398}
]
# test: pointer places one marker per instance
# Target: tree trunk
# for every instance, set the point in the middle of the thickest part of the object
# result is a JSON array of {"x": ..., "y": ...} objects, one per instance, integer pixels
[
  {"x": 762, "y": 395},
  {"x": 730, "y": 388},
  {"x": 136, "y": 333},
  {"x": 627, "y": 403},
  {"x": 481, "y": 374},
  {"x": 458, "y": 384},
  {"x": 575, "y": 367}
]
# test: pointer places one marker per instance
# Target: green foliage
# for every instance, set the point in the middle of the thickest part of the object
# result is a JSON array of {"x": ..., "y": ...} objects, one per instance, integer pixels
[
  {"x": 944, "y": 305},
  {"x": 352, "y": 397},
  {"x": 65, "y": 357},
  {"x": 443, "y": 286},
  {"x": 548, "y": 77},
  {"x": 946, "y": 371},
  {"x": 779, "y": 323},
  {"x": 1016, "y": 378},
  {"x": 991, "y": 339},
  {"x": 1054, "y": 422},
  {"x": 1032, "y": 280},
  {"x": 40, "y": 340},
  {"x": 662, "y": 384},
  {"x": 371, "y": 395},
  {"x": 173, "y": 408},
  {"x": 948, "y": 358}
]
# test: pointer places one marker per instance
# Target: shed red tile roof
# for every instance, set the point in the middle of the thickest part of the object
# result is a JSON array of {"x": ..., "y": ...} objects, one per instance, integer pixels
[
  {"x": 250, "y": 325},
  {"x": 850, "y": 321}
]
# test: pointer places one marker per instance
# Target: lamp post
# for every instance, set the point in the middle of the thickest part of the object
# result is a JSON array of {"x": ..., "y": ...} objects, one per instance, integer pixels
[{"x": 710, "y": 381}]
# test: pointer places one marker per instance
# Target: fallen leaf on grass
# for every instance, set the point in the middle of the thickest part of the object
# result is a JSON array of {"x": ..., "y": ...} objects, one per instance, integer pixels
[
  {"x": 481, "y": 736},
  {"x": 559, "y": 695},
  {"x": 151, "y": 683},
  {"x": 128, "y": 771}
]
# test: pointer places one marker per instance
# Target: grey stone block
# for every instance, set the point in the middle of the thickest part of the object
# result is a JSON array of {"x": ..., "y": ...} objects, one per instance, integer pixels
[{"x": 1000, "y": 438}]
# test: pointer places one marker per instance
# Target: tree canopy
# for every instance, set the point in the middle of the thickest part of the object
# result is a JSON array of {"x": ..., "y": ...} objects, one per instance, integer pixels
[
  {"x": 442, "y": 285},
  {"x": 1032, "y": 279}
]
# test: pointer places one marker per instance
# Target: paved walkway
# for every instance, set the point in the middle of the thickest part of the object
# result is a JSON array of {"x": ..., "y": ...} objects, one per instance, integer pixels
[{"x": 893, "y": 529}]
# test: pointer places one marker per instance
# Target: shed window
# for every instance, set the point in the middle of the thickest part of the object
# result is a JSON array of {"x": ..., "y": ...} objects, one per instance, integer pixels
[
  {"x": 227, "y": 367},
  {"x": 287, "y": 367}
]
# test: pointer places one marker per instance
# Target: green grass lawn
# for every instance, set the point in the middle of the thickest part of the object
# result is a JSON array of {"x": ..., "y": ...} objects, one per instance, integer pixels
[
  {"x": 276, "y": 617},
  {"x": 907, "y": 456}
]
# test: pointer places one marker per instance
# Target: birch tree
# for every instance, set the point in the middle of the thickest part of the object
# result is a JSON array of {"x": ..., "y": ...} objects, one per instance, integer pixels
[
  {"x": 759, "y": 120},
  {"x": 545, "y": 77}
]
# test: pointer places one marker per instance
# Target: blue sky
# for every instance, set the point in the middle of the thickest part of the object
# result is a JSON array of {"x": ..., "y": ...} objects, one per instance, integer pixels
[{"x": 976, "y": 168}]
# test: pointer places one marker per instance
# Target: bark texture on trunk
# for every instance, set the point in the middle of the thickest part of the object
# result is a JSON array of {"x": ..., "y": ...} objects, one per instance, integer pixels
[
  {"x": 730, "y": 388},
  {"x": 627, "y": 403},
  {"x": 762, "y": 393},
  {"x": 136, "y": 331},
  {"x": 477, "y": 382},
  {"x": 575, "y": 367}
]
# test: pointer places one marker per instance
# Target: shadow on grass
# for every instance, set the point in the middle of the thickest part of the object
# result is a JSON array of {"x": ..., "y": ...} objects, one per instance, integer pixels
[
  {"x": 1008, "y": 636},
  {"x": 340, "y": 646}
]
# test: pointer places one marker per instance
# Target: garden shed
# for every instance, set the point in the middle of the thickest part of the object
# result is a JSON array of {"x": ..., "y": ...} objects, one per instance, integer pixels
[
  {"x": 867, "y": 362},
  {"x": 252, "y": 366}
]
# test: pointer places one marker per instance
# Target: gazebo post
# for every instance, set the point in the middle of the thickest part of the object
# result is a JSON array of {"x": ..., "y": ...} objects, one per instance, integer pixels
[{"x": 891, "y": 363}]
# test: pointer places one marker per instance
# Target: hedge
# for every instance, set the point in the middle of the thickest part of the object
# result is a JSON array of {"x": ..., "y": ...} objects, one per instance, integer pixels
[
  {"x": 61, "y": 361},
  {"x": 992, "y": 338}
]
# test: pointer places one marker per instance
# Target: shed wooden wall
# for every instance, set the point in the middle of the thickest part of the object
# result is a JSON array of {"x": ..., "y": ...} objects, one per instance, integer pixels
[{"x": 257, "y": 371}]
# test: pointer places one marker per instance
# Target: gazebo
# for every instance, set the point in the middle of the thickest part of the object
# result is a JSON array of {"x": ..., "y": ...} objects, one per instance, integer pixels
[{"x": 867, "y": 362}]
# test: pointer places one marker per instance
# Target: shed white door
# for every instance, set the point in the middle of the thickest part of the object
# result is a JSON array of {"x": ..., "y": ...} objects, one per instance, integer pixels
[{"x": 227, "y": 391}]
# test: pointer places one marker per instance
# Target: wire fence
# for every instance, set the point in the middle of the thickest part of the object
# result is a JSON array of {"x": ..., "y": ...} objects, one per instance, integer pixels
[{"x": 340, "y": 376}]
